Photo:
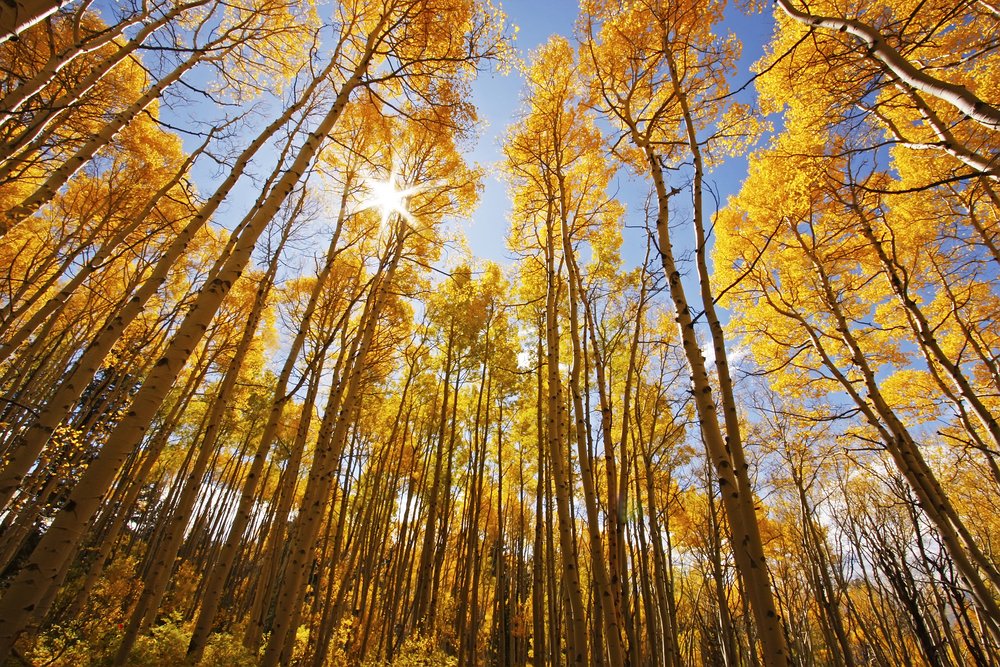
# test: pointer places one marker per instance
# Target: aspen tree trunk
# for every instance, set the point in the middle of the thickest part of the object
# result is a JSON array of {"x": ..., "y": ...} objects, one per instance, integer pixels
[
  {"x": 523, "y": 639},
  {"x": 827, "y": 595},
  {"x": 615, "y": 510},
  {"x": 274, "y": 537},
  {"x": 47, "y": 480},
  {"x": 16, "y": 16},
  {"x": 375, "y": 570},
  {"x": 662, "y": 574},
  {"x": 20, "y": 147},
  {"x": 510, "y": 649},
  {"x": 273, "y": 534},
  {"x": 244, "y": 512},
  {"x": 538, "y": 546},
  {"x": 118, "y": 513},
  {"x": 899, "y": 283},
  {"x": 382, "y": 616},
  {"x": 889, "y": 643},
  {"x": 162, "y": 562},
  {"x": 727, "y": 636},
  {"x": 377, "y": 480},
  {"x": 753, "y": 569},
  {"x": 555, "y": 589},
  {"x": 42, "y": 609},
  {"x": 747, "y": 545},
  {"x": 395, "y": 625},
  {"x": 69, "y": 525},
  {"x": 328, "y": 449},
  {"x": 501, "y": 590},
  {"x": 617, "y": 479},
  {"x": 445, "y": 511},
  {"x": 26, "y": 451},
  {"x": 607, "y": 599},
  {"x": 425, "y": 573},
  {"x": 642, "y": 563},
  {"x": 947, "y": 141},
  {"x": 475, "y": 546},
  {"x": 329, "y": 554},
  {"x": 473, "y": 493},
  {"x": 621, "y": 500},
  {"x": 577, "y": 652}
]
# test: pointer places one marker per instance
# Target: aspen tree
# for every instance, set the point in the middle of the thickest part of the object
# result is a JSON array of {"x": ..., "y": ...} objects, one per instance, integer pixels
[
  {"x": 115, "y": 514},
  {"x": 827, "y": 593},
  {"x": 897, "y": 66},
  {"x": 331, "y": 440},
  {"x": 104, "y": 254},
  {"x": 899, "y": 278},
  {"x": 670, "y": 94},
  {"x": 819, "y": 239},
  {"x": 579, "y": 184},
  {"x": 244, "y": 512},
  {"x": 425, "y": 570},
  {"x": 399, "y": 488},
  {"x": 426, "y": 154},
  {"x": 908, "y": 457},
  {"x": 529, "y": 151},
  {"x": 538, "y": 546}
]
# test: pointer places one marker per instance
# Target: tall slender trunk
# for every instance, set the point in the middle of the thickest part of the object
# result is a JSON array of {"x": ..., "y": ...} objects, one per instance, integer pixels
[
  {"x": 330, "y": 443},
  {"x": 577, "y": 652},
  {"x": 16, "y": 16},
  {"x": 960, "y": 544},
  {"x": 752, "y": 565},
  {"x": 61, "y": 175},
  {"x": 107, "y": 250},
  {"x": 244, "y": 512},
  {"x": 13, "y": 100},
  {"x": 898, "y": 278},
  {"x": 538, "y": 612},
  {"x": 607, "y": 598},
  {"x": 747, "y": 544},
  {"x": 425, "y": 574}
]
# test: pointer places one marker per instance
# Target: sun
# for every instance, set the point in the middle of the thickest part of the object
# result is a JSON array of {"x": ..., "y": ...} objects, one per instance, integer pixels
[{"x": 389, "y": 197}]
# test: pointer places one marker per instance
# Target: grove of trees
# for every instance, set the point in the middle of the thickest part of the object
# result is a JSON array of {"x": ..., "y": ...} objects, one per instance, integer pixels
[{"x": 259, "y": 405}]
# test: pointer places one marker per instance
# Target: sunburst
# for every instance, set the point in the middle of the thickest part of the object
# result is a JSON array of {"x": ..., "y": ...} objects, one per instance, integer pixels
[{"x": 389, "y": 196}]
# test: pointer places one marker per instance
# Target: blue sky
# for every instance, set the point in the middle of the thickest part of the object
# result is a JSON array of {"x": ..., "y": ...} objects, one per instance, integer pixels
[{"x": 498, "y": 99}]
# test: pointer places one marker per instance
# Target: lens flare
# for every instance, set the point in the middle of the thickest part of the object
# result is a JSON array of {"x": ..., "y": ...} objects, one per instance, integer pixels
[{"x": 389, "y": 196}]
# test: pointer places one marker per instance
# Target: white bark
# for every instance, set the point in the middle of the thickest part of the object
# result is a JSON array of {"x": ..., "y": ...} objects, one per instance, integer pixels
[
  {"x": 16, "y": 16},
  {"x": 894, "y": 63}
]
